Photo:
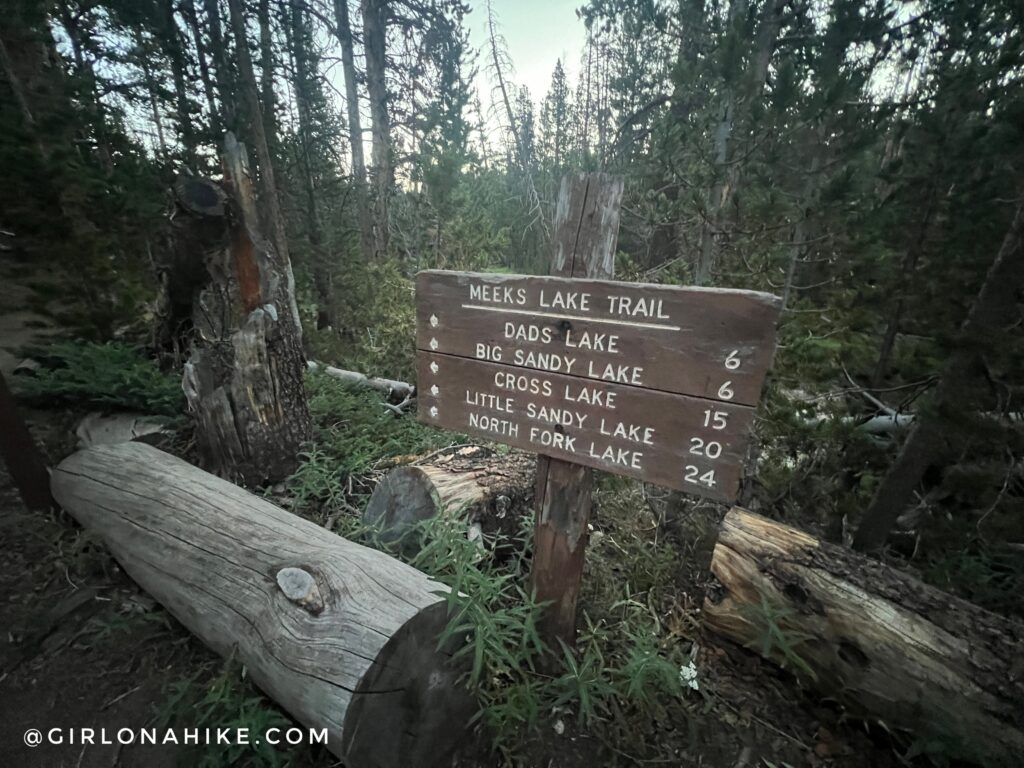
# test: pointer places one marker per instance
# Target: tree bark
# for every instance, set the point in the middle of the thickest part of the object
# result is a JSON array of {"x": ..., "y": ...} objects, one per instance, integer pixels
[
  {"x": 994, "y": 309},
  {"x": 492, "y": 493},
  {"x": 343, "y": 637},
  {"x": 176, "y": 55},
  {"x": 355, "y": 129},
  {"x": 904, "y": 281},
  {"x": 228, "y": 113},
  {"x": 243, "y": 379},
  {"x": 375, "y": 14},
  {"x": 888, "y": 646},
  {"x": 268, "y": 98},
  {"x": 586, "y": 231},
  {"x": 327, "y": 313},
  {"x": 271, "y": 218},
  {"x": 188, "y": 9}
]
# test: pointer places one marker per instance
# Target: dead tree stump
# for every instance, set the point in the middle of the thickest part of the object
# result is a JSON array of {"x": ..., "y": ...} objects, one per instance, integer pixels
[{"x": 244, "y": 374}]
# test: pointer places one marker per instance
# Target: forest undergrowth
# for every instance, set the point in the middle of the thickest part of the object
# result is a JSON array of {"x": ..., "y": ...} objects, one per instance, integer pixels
[{"x": 641, "y": 685}]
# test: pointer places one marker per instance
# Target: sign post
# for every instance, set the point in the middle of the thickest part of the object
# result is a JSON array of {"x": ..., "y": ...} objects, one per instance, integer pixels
[
  {"x": 586, "y": 230},
  {"x": 648, "y": 381}
]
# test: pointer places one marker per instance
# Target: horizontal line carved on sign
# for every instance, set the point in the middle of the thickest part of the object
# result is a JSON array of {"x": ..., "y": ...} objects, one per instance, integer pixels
[
  {"x": 553, "y": 315},
  {"x": 674, "y": 440},
  {"x": 710, "y": 343}
]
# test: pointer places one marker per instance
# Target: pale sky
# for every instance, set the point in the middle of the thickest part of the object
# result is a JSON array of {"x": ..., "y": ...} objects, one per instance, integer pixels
[{"x": 538, "y": 33}]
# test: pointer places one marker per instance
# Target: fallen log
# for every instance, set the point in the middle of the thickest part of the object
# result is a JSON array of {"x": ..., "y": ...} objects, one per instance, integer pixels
[
  {"x": 491, "y": 491},
  {"x": 394, "y": 391},
  {"x": 888, "y": 646},
  {"x": 342, "y": 636}
]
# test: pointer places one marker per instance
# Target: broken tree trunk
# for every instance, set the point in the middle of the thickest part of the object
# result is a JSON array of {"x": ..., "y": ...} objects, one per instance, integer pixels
[
  {"x": 243, "y": 378},
  {"x": 343, "y": 637},
  {"x": 886, "y": 645},
  {"x": 492, "y": 493}
]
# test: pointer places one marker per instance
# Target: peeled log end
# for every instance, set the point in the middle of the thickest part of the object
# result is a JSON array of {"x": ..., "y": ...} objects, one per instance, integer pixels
[
  {"x": 402, "y": 500},
  {"x": 412, "y": 707},
  {"x": 492, "y": 493}
]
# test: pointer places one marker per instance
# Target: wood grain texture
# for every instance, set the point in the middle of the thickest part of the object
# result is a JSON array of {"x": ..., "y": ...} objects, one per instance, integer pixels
[
  {"x": 686, "y": 340},
  {"x": 644, "y": 434},
  {"x": 244, "y": 375},
  {"x": 491, "y": 493},
  {"x": 586, "y": 201},
  {"x": 359, "y": 657},
  {"x": 887, "y": 645}
]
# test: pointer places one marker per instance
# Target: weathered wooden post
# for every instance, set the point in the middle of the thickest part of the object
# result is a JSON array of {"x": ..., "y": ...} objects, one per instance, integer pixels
[
  {"x": 586, "y": 230},
  {"x": 654, "y": 382}
]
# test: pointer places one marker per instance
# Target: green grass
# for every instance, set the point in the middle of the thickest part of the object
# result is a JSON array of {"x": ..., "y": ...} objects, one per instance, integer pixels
[
  {"x": 352, "y": 433},
  {"x": 228, "y": 700}
]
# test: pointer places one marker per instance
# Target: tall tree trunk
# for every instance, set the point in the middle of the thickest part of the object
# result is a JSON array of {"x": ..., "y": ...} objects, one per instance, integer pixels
[
  {"x": 355, "y": 128},
  {"x": 172, "y": 46},
  {"x": 904, "y": 281},
  {"x": 272, "y": 218},
  {"x": 17, "y": 90},
  {"x": 994, "y": 309},
  {"x": 375, "y": 14},
  {"x": 219, "y": 52},
  {"x": 268, "y": 100},
  {"x": 304, "y": 81},
  {"x": 86, "y": 72},
  {"x": 769, "y": 27},
  {"x": 188, "y": 10},
  {"x": 154, "y": 108}
]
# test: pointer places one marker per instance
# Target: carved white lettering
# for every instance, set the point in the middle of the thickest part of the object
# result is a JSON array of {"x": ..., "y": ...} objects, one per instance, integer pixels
[
  {"x": 551, "y": 439},
  {"x": 488, "y": 400},
  {"x": 589, "y": 395},
  {"x": 546, "y": 361},
  {"x": 574, "y": 300},
  {"x": 599, "y": 342},
  {"x": 528, "y": 332},
  {"x": 563, "y": 416},
  {"x": 494, "y": 424},
  {"x": 633, "y": 432},
  {"x": 621, "y": 374}
]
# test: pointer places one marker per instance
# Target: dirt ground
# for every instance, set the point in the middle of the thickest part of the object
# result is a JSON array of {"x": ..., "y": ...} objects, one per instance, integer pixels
[{"x": 83, "y": 647}]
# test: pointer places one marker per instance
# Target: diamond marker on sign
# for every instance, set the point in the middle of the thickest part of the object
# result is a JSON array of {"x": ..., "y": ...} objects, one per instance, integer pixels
[
  {"x": 433, "y": 411},
  {"x": 434, "y": 344},
  {"x": 434, "y": 368},
  {"x": 433, "y": 321},
  {"x": 435, "y": 391}
]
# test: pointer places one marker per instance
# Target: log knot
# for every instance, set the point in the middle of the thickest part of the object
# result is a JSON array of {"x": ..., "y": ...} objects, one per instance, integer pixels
[{"x": 299, "y": 586}]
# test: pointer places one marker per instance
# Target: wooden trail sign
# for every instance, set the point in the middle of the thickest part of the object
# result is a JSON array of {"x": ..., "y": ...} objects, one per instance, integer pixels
[{"x": 653, "y": 382}]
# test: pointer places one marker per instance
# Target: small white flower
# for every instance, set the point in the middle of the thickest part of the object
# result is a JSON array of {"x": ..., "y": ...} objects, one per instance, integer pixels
[{"x": 688, "y": 675}]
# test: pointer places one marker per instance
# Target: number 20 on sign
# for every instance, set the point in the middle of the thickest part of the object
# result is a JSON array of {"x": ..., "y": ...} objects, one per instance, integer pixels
[{"x": 653, "y": 382}]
